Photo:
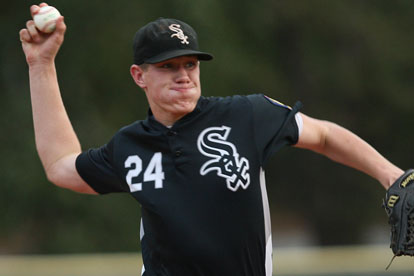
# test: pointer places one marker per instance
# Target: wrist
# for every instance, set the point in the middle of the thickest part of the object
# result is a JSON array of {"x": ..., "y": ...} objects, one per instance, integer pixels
[
  {"x": 40, "y": 70},
  {"x": 391, "y": 177},
  {"x": 41, "y": 65}
]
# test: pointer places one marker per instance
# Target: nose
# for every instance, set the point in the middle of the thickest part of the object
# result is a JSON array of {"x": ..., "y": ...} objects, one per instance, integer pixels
[{"x": 182, "y": 75}]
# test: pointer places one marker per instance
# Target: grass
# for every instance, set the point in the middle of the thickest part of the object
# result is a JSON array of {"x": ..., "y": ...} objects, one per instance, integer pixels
[{"x": 314, "y": 261}]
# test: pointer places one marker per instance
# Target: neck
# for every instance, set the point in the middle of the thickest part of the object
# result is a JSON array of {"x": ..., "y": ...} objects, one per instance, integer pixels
[
  {"x": 167, "y": 118},
  {"x": 167, "y": 121}
]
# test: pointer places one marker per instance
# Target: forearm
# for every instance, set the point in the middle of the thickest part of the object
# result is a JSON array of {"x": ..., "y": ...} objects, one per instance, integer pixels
[
  {"x": 343, "y": 146},
  {"x": 347, "y": 148},
  {"x": 54, "y": 134}
]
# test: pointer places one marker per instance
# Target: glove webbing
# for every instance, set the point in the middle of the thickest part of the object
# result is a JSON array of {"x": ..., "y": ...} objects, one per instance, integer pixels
[
  {"x": 410, "y": 234},
  {"x": 410, "y": 237}
]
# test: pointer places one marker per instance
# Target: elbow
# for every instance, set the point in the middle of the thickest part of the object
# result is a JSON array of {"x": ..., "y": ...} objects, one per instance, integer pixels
[
  {"x": 64, "y": 176},
  {"x": 56, "y": 174},
  {"x": 53, "y": 177}
]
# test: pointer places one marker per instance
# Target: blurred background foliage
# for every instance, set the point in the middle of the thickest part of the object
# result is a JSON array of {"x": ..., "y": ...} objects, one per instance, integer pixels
[{"x": 348, "y": 61}]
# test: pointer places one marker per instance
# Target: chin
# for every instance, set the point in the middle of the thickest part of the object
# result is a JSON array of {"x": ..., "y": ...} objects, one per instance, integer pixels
[{"x": 184, "y": 108}]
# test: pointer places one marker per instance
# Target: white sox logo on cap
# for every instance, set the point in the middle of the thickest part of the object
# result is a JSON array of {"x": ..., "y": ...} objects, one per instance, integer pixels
[
  {"x": 225, "y": 160},
  {"x": 178, "y": 33}
]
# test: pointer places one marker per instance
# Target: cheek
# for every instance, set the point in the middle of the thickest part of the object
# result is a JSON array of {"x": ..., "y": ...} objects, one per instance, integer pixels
[
  {"x": 195, "y": 76},
  {"x": 155, "y": 85},
  {"x": 160, "y": 93}
]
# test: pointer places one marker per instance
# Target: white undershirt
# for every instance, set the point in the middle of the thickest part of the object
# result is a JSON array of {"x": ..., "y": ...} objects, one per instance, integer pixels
[{"x": 299, "y": 122}]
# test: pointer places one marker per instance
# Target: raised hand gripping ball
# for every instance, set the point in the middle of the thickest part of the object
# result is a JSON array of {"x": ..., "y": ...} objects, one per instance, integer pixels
[{"x": 45, "y": 19}]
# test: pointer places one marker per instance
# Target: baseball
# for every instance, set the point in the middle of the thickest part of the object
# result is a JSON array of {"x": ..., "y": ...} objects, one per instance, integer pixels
[{"x": 45, "y": 19}]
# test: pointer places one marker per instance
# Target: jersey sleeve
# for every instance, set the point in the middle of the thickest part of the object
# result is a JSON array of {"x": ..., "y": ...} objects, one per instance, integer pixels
[
  {"x": 274, "y": 125},
  {"x": 96, "y": 167}
]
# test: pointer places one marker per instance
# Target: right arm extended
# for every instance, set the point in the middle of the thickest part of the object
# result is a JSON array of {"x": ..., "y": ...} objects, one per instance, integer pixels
[{"x": 56, "y": 141}]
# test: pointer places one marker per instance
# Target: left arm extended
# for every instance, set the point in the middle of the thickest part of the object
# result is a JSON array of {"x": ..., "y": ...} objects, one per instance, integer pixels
[{"x": 343, "y": 146}]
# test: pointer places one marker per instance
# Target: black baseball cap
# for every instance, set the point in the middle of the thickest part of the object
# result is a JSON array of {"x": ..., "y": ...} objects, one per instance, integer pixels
[{"x": 166, "y": 38}]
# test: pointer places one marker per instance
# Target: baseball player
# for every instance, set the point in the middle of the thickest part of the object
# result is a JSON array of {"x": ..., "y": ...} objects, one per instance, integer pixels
[{"x": 195, "y": 164}]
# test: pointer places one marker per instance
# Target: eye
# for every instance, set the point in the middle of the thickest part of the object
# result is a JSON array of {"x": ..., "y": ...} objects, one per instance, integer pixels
[
  {"x": 190, "y": 64},
  {"x": 166, "y": 66}
]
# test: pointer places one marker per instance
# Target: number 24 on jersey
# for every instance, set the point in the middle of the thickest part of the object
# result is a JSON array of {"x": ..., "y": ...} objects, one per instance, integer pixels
[{"x": 153, "y": 171}]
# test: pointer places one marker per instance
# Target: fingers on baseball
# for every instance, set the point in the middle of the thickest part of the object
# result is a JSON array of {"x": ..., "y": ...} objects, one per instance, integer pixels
[
  {"x": 32, "y": 31},
  {"x": 34, "y": 9}
]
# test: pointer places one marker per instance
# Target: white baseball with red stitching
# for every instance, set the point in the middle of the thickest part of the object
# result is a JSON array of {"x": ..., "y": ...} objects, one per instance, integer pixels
[{"x": 45, "y": 19}]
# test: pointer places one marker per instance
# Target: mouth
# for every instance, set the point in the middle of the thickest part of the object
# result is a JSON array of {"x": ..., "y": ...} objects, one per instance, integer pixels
[{"x": 182, "y": 89}]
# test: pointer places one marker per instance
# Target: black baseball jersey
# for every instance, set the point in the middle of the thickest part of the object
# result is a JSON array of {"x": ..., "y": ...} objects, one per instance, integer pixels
[{"x": 200, "y": 184}]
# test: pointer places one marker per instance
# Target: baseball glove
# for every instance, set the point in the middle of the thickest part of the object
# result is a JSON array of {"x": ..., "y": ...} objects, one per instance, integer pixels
[{"x": 399, "y": 205}]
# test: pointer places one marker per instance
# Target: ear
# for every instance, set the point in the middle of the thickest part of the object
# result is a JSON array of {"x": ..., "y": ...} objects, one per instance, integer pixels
[{"x": 138, "y": 75}]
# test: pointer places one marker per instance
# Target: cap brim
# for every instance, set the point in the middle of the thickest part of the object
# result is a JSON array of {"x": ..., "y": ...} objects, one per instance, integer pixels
[{"x": 178, "y": 53}]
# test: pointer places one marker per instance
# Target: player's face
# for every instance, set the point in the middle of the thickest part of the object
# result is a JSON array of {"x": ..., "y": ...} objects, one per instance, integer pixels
[{"x": 173, "y": 86}]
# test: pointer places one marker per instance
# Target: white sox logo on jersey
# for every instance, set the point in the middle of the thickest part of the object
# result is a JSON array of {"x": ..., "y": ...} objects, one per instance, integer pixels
[{"x": 212, "y": 142}]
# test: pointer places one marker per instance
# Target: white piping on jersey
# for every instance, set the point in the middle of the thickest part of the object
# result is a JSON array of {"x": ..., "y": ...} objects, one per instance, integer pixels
[
  {"x": 299, "y": 122},
  {"x": 268, "y": 230},
  {"x": 269, "y": 256},
  {"x": 141, "y": 231},
  {"x": 141, "y": 235}
]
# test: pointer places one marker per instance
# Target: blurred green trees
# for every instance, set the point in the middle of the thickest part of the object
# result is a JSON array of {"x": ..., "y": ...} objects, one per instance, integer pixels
[{"x": 350, "y": 62}]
